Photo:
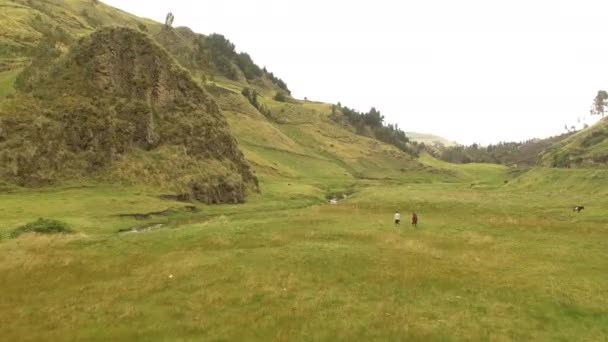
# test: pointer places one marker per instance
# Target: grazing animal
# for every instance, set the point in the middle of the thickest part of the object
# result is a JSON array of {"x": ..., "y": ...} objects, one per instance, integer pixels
[{"x": 578, "y": 208}]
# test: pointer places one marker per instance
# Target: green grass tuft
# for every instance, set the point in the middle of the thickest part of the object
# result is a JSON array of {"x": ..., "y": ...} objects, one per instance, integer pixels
[{"x": 42, "y": 226}]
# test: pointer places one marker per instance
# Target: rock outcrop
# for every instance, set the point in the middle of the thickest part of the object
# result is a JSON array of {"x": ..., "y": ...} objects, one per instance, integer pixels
[{"x": 117, "y": 106}]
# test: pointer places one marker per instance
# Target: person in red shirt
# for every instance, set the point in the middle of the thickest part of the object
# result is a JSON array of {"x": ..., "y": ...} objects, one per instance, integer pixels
[{"x": 414, "y": 220}]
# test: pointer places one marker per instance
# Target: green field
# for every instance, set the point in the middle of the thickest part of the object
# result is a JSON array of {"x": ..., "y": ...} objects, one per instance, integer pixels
[{"x": 492, "y": 261}]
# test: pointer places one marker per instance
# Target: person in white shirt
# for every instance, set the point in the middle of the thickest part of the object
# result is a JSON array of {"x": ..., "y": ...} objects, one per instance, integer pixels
[{"x": 397, "y": 219}]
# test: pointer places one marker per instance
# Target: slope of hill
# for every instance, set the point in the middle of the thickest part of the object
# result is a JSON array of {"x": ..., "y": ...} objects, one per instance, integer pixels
[
  {"x": 587, "y": 148},
  {"x": 286, "y": 140},
  {"x": 28, "y": 22},
  {"x": 117, "y": 104}
]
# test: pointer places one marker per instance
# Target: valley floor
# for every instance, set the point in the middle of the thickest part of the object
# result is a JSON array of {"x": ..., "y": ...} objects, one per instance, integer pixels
[{"x": 489, "y": 261}]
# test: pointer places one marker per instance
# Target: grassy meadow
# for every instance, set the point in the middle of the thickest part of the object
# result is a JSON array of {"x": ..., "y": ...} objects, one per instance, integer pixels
[
  {"x": 489, "y": 261},
  {"x": 498, "y": 254}
]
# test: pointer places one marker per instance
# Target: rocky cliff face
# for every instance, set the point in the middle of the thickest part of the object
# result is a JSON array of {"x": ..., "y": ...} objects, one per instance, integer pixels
[{"x": 117, "y": 105}]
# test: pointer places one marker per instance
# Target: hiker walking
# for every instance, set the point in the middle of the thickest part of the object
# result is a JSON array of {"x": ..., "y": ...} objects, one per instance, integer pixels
[
  {"x": 414, "y": 220},
  {"x": 397, "y": 219}
]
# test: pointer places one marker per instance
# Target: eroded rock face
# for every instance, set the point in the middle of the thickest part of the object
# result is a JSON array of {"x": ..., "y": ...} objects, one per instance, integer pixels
[
  {"x": 127, "y": 63},
  {"x": 115, "y": 93}
]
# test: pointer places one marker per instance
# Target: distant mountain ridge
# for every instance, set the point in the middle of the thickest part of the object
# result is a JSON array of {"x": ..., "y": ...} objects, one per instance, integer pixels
[{"x": 430, "y": 139}]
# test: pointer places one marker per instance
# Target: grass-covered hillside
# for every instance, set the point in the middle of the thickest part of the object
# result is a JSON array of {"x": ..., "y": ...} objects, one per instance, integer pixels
[
  {"x": 280, "y": 136},
  {"x": 115, "y": 105},
  {"x": 27, "y": 23},
  {"x": 587, "y": 148}
]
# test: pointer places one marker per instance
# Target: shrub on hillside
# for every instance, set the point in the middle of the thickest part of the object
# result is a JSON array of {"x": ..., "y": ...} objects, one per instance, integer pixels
[
  {"x": 223, "y": 54},
  {"x": 600, "y": 158},
  {"x": 595, "y": 138},
  {"x": 90, "y": 18},
  {"x": 281, "y": 97},
  {"x": 42, "y": 226},
  {"x": 562, "y": 160},
  {"x": 252, "y": 97},
  {"x": 372, "y": 124},
  {"x": 277, "y": 81},
  {"x": 249, "y": 68}
]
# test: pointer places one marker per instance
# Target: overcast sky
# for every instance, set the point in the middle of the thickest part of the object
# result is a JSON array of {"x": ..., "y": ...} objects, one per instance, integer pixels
[{"x": 469, "y": 70}]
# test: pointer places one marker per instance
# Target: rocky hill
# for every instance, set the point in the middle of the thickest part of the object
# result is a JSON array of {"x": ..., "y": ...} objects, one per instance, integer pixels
[{"x": 117, "y": 105}]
